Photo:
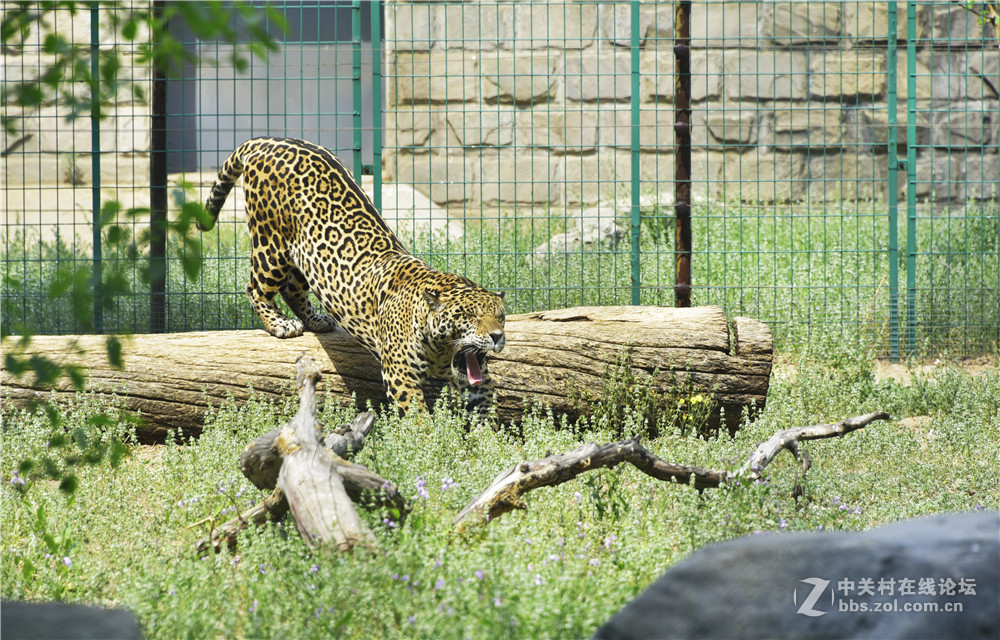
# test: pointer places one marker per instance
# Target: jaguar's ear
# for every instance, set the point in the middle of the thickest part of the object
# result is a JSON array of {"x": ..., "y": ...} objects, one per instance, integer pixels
[
  {"x": 433, "y": 299},
  {"x": 502, "y": 295}
]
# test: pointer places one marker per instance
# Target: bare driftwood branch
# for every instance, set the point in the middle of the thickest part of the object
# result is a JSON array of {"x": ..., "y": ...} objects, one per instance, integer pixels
[
  {"x": 261, "y": 460},
  {"x": 274, "y": 508},
  {"x": 505, "y": 492},
  {"x": 790, "y": 439},
  {"x": 324, "y": 513},
  {"x": 360, "y": 482}
]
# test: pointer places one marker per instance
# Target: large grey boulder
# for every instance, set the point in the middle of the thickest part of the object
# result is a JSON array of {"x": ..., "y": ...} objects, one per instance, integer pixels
[
  {"x": 63, "y": 621},
  {"x": 936, "y": 577}
]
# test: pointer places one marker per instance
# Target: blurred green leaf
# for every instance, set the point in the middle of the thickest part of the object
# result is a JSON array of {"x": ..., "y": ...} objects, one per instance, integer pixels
[
  {"x": 114, "y": 347},
  {"x": 14, "y": 365},
  {"x": 130, "y": 29},
  {"x": 69, "y": 484},
  {"x": 46, "y": 370},
  {"x": 76, "y": 376},
  {"x": 118, "y": 451},
  {"x": 191, "y": 258},
  {"x": 81, "y": 438}
]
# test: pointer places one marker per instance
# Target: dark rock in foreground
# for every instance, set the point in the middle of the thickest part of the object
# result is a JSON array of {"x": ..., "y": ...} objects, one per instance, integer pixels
[
  {"x": 62, "y": 621},
  {"x": 936, "y": 577}
]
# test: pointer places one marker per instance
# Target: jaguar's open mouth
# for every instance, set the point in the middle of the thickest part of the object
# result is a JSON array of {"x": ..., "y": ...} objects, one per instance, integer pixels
[{"x": 469, "y": 362}]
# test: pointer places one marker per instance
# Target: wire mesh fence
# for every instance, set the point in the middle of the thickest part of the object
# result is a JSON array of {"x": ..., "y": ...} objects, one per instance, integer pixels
[{"x": 843, "y": 159}]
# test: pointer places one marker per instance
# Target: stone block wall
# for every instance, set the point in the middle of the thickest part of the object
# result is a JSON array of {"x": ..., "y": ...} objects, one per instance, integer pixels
[
  {"x": 514, "y": 104},
  {"x": 49, "y": 147}
]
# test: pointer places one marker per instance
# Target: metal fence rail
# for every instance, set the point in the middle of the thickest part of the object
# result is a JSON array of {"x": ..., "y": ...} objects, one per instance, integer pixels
[{"x": 843, "y": 160}]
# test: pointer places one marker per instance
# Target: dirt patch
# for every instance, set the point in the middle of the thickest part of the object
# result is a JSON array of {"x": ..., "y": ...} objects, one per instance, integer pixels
[{"x": 903, "y": 372}]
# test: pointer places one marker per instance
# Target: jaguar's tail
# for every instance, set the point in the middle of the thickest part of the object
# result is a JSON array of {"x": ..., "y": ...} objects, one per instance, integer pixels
[{"x": 229, "y": 173}]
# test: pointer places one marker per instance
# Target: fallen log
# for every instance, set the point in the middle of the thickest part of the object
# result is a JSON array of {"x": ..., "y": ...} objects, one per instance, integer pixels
[
  {"x": 505, "y": 492},
  {"x": 552, "y": 357}
]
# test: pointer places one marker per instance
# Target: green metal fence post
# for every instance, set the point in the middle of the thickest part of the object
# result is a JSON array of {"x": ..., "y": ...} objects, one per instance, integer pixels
[
  {"x": 894, "y": 164},
  {"x": 376, "y": 23},
  {"x": 911, "y": 177},
  {"x": 95, "y": 164},
  {"x": 636, "y": 215},
  {"x": 356, "y": 85}
]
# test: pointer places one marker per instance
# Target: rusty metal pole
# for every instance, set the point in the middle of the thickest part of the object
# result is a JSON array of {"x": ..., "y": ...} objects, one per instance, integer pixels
[{"x": 682, "y": 156}]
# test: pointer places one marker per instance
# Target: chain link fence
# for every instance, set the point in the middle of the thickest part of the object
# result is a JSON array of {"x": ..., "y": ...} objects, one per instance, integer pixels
[{"x": 841, "y": 160}]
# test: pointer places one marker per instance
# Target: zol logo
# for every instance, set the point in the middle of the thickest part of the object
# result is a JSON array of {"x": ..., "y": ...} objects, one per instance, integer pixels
[{"x": 807, "y": 607}]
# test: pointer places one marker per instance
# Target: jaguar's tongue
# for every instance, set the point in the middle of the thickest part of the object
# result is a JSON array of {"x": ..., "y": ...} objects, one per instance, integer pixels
[{"x": 472, "y": 368}]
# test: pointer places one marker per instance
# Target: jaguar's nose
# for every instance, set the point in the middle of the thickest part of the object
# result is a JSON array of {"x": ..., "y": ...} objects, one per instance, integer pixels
[{"x": 499, "y": 340}]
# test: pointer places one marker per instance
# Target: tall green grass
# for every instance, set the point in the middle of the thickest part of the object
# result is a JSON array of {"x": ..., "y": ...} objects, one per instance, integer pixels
[{"x": 812, "y": 273}]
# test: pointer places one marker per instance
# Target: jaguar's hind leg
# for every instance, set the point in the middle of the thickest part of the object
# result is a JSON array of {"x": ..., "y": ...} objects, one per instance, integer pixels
[
  {"x": 295, "y": 292},
  {"x": 263, "y": 286}
]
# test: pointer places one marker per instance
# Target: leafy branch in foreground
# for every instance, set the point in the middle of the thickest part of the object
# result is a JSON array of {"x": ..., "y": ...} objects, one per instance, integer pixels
[
  {"x": 83, "y": 86},
  {"x": 70, "y": 78}
]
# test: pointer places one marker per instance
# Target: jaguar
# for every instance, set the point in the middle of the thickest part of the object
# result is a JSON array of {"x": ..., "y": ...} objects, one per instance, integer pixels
[{"x": 313, "y": 228}]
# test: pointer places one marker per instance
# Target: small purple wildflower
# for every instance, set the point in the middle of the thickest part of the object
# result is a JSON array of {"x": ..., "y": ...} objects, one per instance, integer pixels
[
  {"x": 447, "y": 483},
  {"x": 439, "y": 584},
  {"x": 783, "y": 524},
  {"x": 479, "y": 574},
  {"x": 253, "y": 607},
  {"x": 66, "y": 561},
  {"x": 422, "y": 488},
  {"x": 17, "y": 479}
]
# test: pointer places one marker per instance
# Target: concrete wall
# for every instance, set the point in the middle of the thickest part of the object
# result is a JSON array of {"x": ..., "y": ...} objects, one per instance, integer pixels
[{"x": 498, "y": 104}]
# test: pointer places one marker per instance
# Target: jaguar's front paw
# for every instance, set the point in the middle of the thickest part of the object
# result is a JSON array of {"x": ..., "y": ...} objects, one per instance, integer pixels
[
  {"x": 286, "y": 328},
  {"x": 321, "y": 323}
]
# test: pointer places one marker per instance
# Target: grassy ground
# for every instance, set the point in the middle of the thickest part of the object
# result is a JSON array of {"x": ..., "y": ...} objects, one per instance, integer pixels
[
  {"x": 582, "y": 550},
  {"x": 558, "y": 570}
]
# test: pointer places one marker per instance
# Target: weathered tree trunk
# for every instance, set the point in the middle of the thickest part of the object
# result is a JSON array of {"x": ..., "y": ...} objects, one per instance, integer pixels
[
  {"x": 324, "y": 513},
  {"x": 554, "y": 357},
  {"x": 261, "y": 463}
]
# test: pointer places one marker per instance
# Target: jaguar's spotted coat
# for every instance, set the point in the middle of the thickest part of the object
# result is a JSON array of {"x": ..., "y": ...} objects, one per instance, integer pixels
[{"x": 312, "y": 227}]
